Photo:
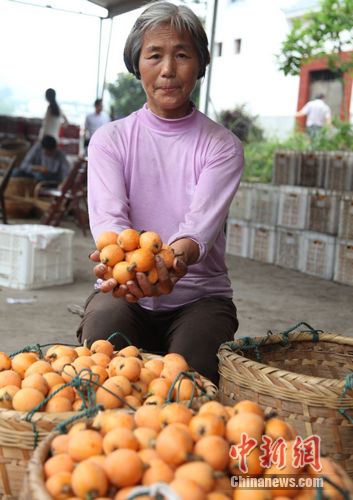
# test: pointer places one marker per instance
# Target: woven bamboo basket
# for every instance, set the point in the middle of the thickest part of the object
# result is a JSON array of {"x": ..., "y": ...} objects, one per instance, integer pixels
[
  {"x": 33, "y": 486},
  {"x": 305, "y": 377},
  {"x": 18, "y": 439}
]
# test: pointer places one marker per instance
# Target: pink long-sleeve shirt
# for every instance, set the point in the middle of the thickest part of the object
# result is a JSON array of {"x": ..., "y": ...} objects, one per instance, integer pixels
[{"x": 176, "y": 177}]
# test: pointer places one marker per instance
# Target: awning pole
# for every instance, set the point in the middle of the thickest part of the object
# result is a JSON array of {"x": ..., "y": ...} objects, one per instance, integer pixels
[
  {"x": 212, "y": 42},
  {"x": 99, "y": 55},
  {"x": 107, "y": 56}
]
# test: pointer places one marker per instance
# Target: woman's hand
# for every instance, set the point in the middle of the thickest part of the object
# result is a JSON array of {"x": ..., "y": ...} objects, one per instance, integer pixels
[
  {"x": 141, "y": 287},
  {"x": 186, "y": 252}
]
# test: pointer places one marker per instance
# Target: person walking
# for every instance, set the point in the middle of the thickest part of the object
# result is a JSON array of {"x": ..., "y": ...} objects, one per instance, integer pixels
[
  {"x": 167, "y": 168},
  {"x": 54, "y": 117},
  {"x": 318, "y": 114},
  {"x": 95, "y": 120}
]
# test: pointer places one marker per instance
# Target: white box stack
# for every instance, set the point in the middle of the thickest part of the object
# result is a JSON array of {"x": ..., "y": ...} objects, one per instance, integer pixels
[
  {"x": 292, "y": 207},
  {"x": 286, "y": 166},
  {"x": 288, "y": 246},
  {"x": 35, "y": 256},
  {"x": 262, "y": 243},
  {"x": 343, "y": 271},
  {"x": 264, "y": 204},
  {"x": 317, "y": 254},
  {"x": 238, "y": 236},
  {"x": 240, "y": 207},
  {"x": 323, "y": 210},
  {"x": 345, "y": 225}
]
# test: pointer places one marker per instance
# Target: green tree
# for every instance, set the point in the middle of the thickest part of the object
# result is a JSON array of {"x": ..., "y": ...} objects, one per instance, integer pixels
[
  {"x": 327, "y": 32},
  {"x": 127, "y": 95}
]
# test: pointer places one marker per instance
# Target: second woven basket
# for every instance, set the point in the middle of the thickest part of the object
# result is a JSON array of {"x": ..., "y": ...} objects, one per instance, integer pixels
[{"x": 305, "y": 377}]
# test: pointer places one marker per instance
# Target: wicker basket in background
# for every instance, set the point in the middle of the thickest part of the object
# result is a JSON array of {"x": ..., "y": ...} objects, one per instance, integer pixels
[{"x": 306, "y": 377}]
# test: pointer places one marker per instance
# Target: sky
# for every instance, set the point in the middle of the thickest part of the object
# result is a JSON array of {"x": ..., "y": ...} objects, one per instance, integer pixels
[{"x": 43, "y": 47}]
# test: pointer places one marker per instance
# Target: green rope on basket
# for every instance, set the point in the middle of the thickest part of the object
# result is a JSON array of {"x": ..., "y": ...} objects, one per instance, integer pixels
[
  {"x": 348, "y": 385},
  {"x": 86, "y": 413},
  {"x": 180, "y": 376},
  {"x": 85, "y": 388},
  {"x": 312, "y": 330},
  {"x": 119, "y": 334},
  {"x": 320, "y": 491},
  {"x": 29, "y": 348}
]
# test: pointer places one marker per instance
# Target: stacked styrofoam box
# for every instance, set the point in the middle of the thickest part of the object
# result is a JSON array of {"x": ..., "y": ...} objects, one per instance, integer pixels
[
  {"x": 345, "y": 226},
  {"x": 323, "y": 210},
  {"x": 317, "y": 254},
  {"x": 238, "y": 237},
  {"x": 292, "y": 207},
  {"x": 311, "y": 169},
  {"x": 264, "y": 204},
  {"x": 285, "y": 167},
  {"x": 343, "y": 270},
  {"x": 240, "y": 207},
  {"x": 339, "y": 171},
  {"x": 288, "y": 246},
  {"x": 262, "y": 243},
  {"x": 35, "y": 256}
]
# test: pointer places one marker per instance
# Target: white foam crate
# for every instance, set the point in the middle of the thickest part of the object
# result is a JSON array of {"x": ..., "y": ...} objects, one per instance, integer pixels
[
  {"x": 288, "y": 246},
  {"x": 343, "y": 270},
  {"x": 323, "y": 210},
  {"x": 237, "y": 238},
  {"x": 339, "y": 171},
  {"x": 240, "y": 207},
  {"x": 317, "y": 254},
  {"x": 345, "y": 224},
  {"x": 35, "y": 256},
  {"x": 264, "y": 204},
  {"x": 262, "y": 243},
  {"x": 292, "y": 207}
]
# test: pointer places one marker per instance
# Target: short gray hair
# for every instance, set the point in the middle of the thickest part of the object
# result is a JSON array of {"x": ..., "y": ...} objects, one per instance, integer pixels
[{"x": 181, "y": 18}]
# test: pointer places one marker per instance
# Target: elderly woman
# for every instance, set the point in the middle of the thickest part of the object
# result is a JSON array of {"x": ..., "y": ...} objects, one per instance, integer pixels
[{"x": 170, "y": 169}]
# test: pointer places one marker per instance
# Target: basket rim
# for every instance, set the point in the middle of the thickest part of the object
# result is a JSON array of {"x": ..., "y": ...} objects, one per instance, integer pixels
[{"x": 277, "y": 338}]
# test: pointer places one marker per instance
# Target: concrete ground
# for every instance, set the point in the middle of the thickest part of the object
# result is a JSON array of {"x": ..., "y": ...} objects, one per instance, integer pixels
[{"x": 267, "y": 297}]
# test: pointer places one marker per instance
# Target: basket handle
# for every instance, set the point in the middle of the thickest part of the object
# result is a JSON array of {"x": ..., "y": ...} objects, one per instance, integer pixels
[{"x": 348, "y": 385}]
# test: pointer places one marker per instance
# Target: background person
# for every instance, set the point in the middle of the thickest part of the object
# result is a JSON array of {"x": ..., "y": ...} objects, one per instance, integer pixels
[
  {"x": 95, "y": 120},
  {"x": 54, "y": 117},
  {"x": 44, "y": 162},
  {"x": 318, "y": 114},
  {"x": 168, "y": 168}
]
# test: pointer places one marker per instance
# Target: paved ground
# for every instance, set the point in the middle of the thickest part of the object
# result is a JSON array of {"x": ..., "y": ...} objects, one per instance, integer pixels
[{"x": 267, "y": 297}]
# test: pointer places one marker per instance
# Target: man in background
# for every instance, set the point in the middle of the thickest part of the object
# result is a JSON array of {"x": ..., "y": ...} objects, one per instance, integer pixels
[
  {"x": 44, "y": 162},
  {"x": 95, "y": 120},
  {"x": 318, "y": 114}
]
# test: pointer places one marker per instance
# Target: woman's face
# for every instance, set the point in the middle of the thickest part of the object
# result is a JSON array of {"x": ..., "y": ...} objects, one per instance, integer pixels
[{"x": 169, "y": 67}]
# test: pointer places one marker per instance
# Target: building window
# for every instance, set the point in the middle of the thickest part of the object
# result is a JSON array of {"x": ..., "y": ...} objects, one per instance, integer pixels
[
  {"x": 218, "y": 49},
  {"x": 237, "y": 46}
]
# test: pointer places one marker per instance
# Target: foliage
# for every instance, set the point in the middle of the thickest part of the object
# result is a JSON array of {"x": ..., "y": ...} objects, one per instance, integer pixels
[
  {"x": 259, "y": 155},
  {"x": 242, "y": 124},
  {"x": 328, "y": 31},
  {"x": 127, "y": 95}
]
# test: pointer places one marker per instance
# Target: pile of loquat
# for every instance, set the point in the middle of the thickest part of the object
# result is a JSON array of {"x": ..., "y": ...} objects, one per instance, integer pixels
[{"x": 132, "y": 251}]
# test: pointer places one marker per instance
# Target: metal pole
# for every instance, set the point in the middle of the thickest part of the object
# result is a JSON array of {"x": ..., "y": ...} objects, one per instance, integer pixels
[
  {"x": 107, "y": 57},
  {"x": 99, "y": 55},
  {"x": 209, "y": 73}
]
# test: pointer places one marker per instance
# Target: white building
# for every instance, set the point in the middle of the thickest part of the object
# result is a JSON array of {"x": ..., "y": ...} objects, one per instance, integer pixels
[{"x": 248, "y": 35}]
